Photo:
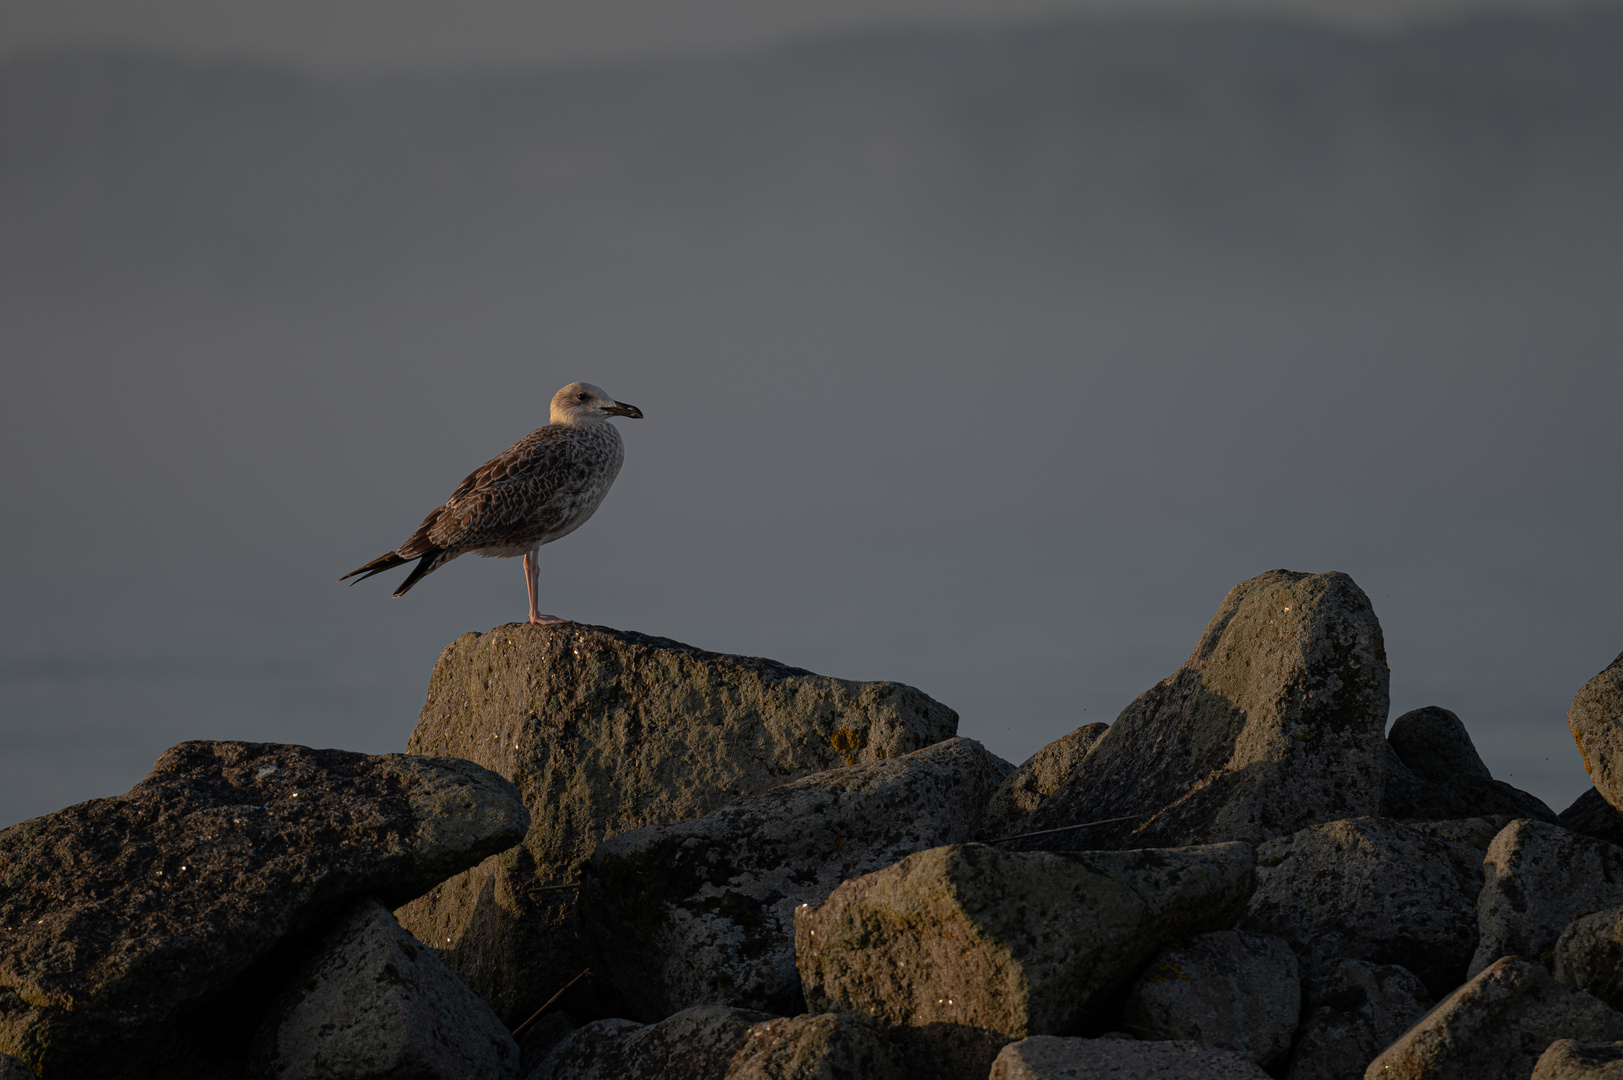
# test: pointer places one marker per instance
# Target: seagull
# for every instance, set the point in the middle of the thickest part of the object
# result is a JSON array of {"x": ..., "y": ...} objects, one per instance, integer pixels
[{"x": 541, "y": 488}]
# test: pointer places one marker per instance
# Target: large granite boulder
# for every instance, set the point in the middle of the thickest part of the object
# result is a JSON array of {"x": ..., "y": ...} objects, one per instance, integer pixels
[
  {"x": 962, "y": 949},
  {"x": 1045, "y": 1057},
  {"x": 1225, "y": 988},
  {"x": 1439, "y": 775},
  {"x": 366, "y": 1001},
  {"x": 603, "y": 732},
  {"x": 1589, "y": 956},
  {"x": 1569, "y": 1059},
  {"x": 1596, "y": 722},
  {"x": 1024, "y": 789},
  {"x": 1352, "y": 1010},
  {"x": 1495, "y": 1027},
  {"x": 1274, "y": 722},
  {"x": 1536, "y": 878},
  {"x": 702, "y": 912},
  {"x": 1371, "y": 889},
  {"x": 1592, "y": 815},
  {"x": 127, "y": 913}
]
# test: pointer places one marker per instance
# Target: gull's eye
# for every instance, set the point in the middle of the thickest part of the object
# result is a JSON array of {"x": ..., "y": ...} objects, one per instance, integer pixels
[{"x": 582, "y": 397}]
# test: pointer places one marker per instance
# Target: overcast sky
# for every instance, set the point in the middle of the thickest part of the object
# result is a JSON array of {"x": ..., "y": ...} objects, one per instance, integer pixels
[{"x": 361, "y": 34}]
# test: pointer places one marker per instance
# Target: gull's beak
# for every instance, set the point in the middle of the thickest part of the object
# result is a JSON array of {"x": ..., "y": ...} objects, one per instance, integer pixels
[{"x": 620, "y": 408}]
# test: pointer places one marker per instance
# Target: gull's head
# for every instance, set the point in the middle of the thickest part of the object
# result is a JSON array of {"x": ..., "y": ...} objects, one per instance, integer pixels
[{"x": 582, "y": 403}]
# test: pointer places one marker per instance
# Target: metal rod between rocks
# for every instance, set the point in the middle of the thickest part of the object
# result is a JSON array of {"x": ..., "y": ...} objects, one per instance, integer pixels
[
  {"x": 1069, "y": 828},
  {"x": 550, "y": 1002}
]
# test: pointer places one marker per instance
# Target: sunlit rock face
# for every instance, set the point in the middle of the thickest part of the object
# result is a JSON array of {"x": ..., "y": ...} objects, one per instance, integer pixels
[
  {"x": 604, "y": 731},
  {"x": 1274, "y": 722}
]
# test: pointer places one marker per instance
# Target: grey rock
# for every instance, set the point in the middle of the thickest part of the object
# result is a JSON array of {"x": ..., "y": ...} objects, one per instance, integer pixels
[
  {"x": 1596, "y": 723},
  {"x": 224, "y": 853},
  {"x": 826, "y": 1046},
  {"x": 962, "y": 949},
  {"x": 12, "y": 1068},
  {"x": 1439, "y": 774},
  {"x": 1045, "y": 1057},
  {"x": 538, "y": 1040},
  {"x": 1371, "y": 889},
  {"x": 1592, "y": 815},
  {"x": 695, "y": 1044},
  {"x": 1495, "y": 1027},
  {"x": 1023, "y": 790},
  {"x": 1227, "y": 988},
  {"x": 702, "y": 912},
  {"x": 1569, "y": 1059},
  {"x": 1536, "y": 878},
  {"x": 1476, "y": 833},
  {"x": 604, "y": 732},
  {"x": 367, "y": 1002},
  {"x": 1274, "y": 722},
  {"x": 1589, "y": 956},
  {"x": 1352, "y": 1011}
]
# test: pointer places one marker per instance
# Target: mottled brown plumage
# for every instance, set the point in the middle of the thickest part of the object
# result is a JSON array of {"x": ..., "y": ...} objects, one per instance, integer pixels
[{"x": 541, "y": 488}]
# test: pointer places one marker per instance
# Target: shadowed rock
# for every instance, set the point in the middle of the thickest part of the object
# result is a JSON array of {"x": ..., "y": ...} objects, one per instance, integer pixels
[
  {"x": 1495, "y": 1027},
  {"x": 1596, "y": 723},
  {"x": 1352, "y": 1011},
  {"x": 605, "y": 731},
  {"x": 1049, "y": 1058},
  {"x": 1239, "y": 991},
  {"x": 1536, "y": 878},
  {"x": 695, "y": 1044},
  {"x": 125, "y": 913},
  {"x": 367, "y": 1001},
  {"x": 1438, "y": 774},
  {"x": 1589, "y": 956},
  {"x": 1569, "y": 1059},
  {"x": 1371, "y": 889},
  {"x": 825, "y": 1046},
  {"x": 962, "y": 949},
  {"x": 1023, "y": 790},
  {"x": 1592, "y": 815},
  {"x": 1274, "y": 722},
  {"x": 702, "y": 912},
  {"x": 14, "y": 1069}
]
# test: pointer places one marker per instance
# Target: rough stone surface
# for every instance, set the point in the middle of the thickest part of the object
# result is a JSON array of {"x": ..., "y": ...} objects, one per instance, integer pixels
[
  {"x": 1569, "y": 1059},
  {"x": 1495, "y": 1027},
  {"x": 826, "y": 1046},
  {"x": 1592, "y": 815},
  {"x": 1023, "y": 790},
  {"x": 695, "y": 1044},
  {"x": 1371, "y": 889},
  {"x": 539, "y": 1039},
  {"x": 1352, "y": 1011},
  {"x": 126, "y": 913},
  {"x": 1274, "y": 722},
  {"x": 1536, "y": 878},
  {"x": 1439, "y": 774},
  {"x": 1226, "y": 988},
  {"x": 12, "y": 1068},
  {"x": 603, "y": 732},
  {"x": 1476, "y": 833},
  {"x": 702, "y": 912},
  {"x": 1044, "y": 1057},
  {"x": 961, "y": 949},
  {"x": 1596, "y": 722},
  {"x": 1589, "y": 956},
  {"x": 368, "y": 1002}
]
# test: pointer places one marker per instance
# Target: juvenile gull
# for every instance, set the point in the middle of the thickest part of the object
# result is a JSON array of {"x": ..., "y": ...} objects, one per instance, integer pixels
[{"x": 542, "y": 487}]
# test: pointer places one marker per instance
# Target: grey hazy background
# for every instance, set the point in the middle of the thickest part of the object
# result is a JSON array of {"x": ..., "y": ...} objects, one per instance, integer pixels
[{"x": 981, "y": 356}]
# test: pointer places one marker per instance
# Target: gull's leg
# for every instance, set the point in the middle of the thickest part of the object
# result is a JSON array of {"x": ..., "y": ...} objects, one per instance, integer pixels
[{"x": 532, "y": 582}]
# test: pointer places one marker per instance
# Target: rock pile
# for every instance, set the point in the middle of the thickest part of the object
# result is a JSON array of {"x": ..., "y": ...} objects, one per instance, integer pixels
[{"x": 610, "y": 855}]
